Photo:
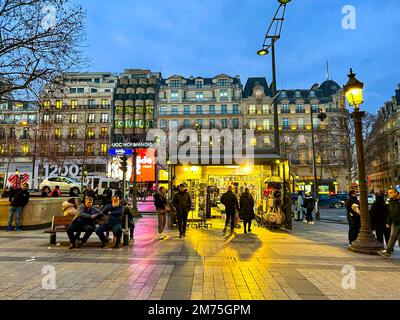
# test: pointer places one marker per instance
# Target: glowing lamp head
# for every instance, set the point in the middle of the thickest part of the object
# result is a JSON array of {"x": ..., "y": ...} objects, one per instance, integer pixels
[
  {"x": 263, "y": 52},
  {"x": 354, "y": 90},
  {"x": 284, "y": 2}
]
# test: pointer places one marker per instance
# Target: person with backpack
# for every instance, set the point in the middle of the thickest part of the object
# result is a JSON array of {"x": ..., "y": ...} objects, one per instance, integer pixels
[{"x": 56, "y": 193}]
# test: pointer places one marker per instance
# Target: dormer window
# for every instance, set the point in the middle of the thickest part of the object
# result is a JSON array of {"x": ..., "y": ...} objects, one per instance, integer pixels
[
  {"x": 312, "y": 94},
  {"x": 298, "y": 94},
  {"x": 283, "y": 94},
  {"x": 199, "y": 84}
]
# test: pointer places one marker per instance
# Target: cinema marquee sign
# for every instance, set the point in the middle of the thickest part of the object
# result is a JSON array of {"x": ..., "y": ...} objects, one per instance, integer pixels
[{"x": 133, "y": 145}]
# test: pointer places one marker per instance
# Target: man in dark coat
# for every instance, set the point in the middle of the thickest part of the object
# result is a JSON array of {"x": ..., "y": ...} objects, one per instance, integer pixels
[
  {"x": 246, "y": 212},
  {"x": 19, "y": 198},
  {"x": 309, "y": 205},
  {"x": 84, "y": 222},
  {"x": 231, "y": 204},
  {"x": 106, "y": 196},
  {"x": 353, "y": 216},
  {"x": 183, "y": 204},
  {"x": 393, "y": 221},
  {"x": 115, "y": 212},
  {"x": 379, "y": 214}
]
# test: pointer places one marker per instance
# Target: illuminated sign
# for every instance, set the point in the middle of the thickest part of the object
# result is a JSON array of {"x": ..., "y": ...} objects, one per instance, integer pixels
[
  {"x": 123, "y": 145},
  {"x": 120, "y": 152},
  {"x": 145, "y": 165}
]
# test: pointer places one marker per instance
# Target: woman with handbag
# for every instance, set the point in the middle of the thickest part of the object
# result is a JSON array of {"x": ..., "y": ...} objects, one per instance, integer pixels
[{"x": 161, "y": 203}]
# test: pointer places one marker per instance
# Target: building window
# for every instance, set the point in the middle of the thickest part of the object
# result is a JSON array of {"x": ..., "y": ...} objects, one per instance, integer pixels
[
  {"x": 222, "y": 83},
  {"x": 285, "y": 108},
  {"x": 186, "y": 123},
  {"x": 266, "y": 109},
  {"x": 235, "y": 123},
  {"x": 93, "y": 90},
  {"x": 174, "y": 123},
  {"x": 163, "y": 124},
  {"x": 91, "y": 103},
  {"x": 90, "y": 133},
  {"x": 267, "y": 140},
  {"x": 224, "y": 123},
  {"x": 72, "y": 149},
  {"x": 302, "y": 139},
  {"x": 74, "y": 104},
  {"x": 90, "y": 149},
  {"x": 283, "y": 94},
  {"x": 58, "y": 118},
  {"x": 104, "y": 118},
  {"x": 186, "y": 110},
  {"x": 223, "y": 95},
  {"x": 73, "y": 133},
  {"x": 163, "y": 111},
  {"x": 212, "y": 124},
  {"x": 199, "y": 84},
  {"x": 59, "y": 104},
  {"x": 104, "y": 102},
  {"x": 252, "y": 124},
  {"x": 211, "y": 109},
  {"x": 285, "y": 123},
  {"x": 314, "y": 108},
  {"x": 175, "y": 83},
  {"x": 119, "y": 110},
  {"x": 199, "y": 96},
  {"x": 72, "y": 90},
  {"x": 57, "y": 133},
  {"x": 92, "y": 118},
  {"x": 199, "y": 110},
  {"x": 174, "y": 110},
  {"x": 103, "y": 149},
  {"x": 286, "y": 139},
  {"x": 299, "y": 108},
  {"x": 266, "y": 124},
  {"x": 236, "y": 109},
  {"x": 81, "y": 90},
  {"x": 199, "y": 123},
  {"x": 298, "y": 94},
  {"x": 119, "y": 124},
  {"x": 25, "y": 149},
  {"x": 150, "y": 111},
  {"x": 312, "y": 94},
  {"x": 46, "y": 104},
  {"x": 224, "y": 109},
  {"x": 150, "y": 124},
  {"x": 252, "y": 109},
  {"x": 174, "y": 95},
  {"x": 74, "y": 118},
  {"x": 104, "y": 132},
  {"x": 300, "y": 123}
]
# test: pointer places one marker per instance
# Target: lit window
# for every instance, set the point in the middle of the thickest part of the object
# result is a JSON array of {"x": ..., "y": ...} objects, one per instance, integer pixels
[
  {"x": 25, "y": 149},
  {"x": 266, "y": 124},
  {"x": 252, "y": 109},
  {"x": 199, "y": 109},
  {"x": 199, "y": 95},
  {"x": 163, "y": 110},
  {"x": 74, "y": 104},
  {"x": 174, "y": 95},
  {"x": 104, "y": 117},
  {"x": 267, "y": 140},
  {"x": 57, "y": 133},
  {"x": 104, "y": 102},
  {"x": 59, "y": 104},
  {"x": 46, "y": 104},
  {"x": 92, "y": 118},
  {"x": 266, "y": 109},
  {"x": 223, "y": 94},
  {"x": 252, "y": 124},
  {"x": 58, "y": 118},
  {"x": 46, "y": 118},
  {"x": 302, "y": 139},
  {"x": 104, "y": 149},
  {"x": 90, "y": 133}
]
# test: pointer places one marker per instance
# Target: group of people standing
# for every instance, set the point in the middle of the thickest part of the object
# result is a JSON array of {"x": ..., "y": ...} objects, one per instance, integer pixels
[
  {"x": 182, "y": 203},
  {"x": 305, "y": 206},
  {"x": 385, "y": 218}
]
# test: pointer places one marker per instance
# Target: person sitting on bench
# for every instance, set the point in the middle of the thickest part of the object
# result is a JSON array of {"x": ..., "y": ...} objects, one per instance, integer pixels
[
  {"x": 84, "y": 222},
  {"x": 114, "y": 213}
]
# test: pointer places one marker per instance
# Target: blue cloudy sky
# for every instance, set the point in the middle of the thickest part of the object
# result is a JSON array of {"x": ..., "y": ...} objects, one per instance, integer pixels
[{"x": 209, "y": 37}]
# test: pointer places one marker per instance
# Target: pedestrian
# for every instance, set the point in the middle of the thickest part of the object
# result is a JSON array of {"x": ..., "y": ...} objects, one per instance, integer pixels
[
  {"x": 183, "y": 204},
  {"x": 114, "y": 213},
  {"x": 353, "y": 216},
  {"x": 379, "y": 214},
  {"x": 161, "y": 204},
  {"x": 88, "y": 193},
  {"x": 392, "y": 221},
  {"x": 45, "y": 192},
  {"x": 229, "y": 200},
  {"x": 56, "y": 193},
  {"x": 19, "y": 198},
  {"x": 106, "y": 196},
  {"x": 299, "y": 207},
  {"x": 119, "y": 193},
  {"x": 83, "y": 222},
  {"x": 246, "y": 212},
  {"x": 309, "y": 205}
]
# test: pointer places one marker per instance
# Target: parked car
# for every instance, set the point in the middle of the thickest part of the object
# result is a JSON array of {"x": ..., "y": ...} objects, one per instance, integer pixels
[
  {"x": 66, "y": 185},
  {"x": 330, "y": 201}
]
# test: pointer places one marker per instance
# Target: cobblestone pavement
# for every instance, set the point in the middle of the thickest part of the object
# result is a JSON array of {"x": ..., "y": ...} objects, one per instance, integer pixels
[{"x": 305, "y": 264}]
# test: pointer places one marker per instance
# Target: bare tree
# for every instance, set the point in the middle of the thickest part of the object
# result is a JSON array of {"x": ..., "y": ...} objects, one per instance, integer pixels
[{"x": 40, "y": 40}]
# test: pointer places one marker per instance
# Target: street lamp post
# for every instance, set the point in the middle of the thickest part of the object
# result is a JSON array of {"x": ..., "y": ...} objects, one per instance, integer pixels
[
  {"x": 272, "y": 35},
  {"x": 366, "y": 242},
  {"x": 321, "y": 117}
]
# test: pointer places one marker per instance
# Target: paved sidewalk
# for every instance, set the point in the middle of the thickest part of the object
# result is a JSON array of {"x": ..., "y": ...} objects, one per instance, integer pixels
[{"x": 305, "y": 264}]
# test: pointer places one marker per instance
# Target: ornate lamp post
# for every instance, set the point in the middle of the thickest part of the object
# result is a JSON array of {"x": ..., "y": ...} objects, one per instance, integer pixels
[
  {"x": 366, "y": 242},
  {"x": 272, "y": 35}
]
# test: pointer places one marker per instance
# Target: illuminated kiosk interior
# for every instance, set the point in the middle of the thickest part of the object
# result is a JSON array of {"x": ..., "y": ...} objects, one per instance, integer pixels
[{"x": 207, "y": 183}]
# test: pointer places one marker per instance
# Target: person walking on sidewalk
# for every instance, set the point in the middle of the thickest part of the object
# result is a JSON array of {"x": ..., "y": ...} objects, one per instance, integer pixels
[
  {"x": 353, "y": 216},
  {"x": 246, "y": 212},
  {"x": 161, "y": 204},
  {"x": 19, "y": 198},
  {"x": 183, "y": 204},
  {"x": 379, "y": 214},
  {"x": 393, "y": 221},
  {"x": 309, "y": 204},
  {"x": 56, "y": 193},
  {"x": 299, "y": 206},
  {"x": 231, "y": 204}
]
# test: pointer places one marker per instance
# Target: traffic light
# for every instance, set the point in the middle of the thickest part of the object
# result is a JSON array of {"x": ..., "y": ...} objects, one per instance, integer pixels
[{"x": 124, "y": 163}]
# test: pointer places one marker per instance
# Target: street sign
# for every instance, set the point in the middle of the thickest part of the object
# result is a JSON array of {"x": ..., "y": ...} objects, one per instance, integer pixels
[{"x": 120, "y": 152}]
